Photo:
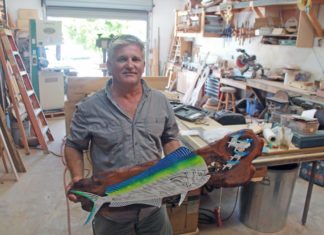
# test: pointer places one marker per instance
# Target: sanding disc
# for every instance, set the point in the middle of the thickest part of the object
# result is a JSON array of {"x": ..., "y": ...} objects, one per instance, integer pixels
[{"x": 239, "y": 61}]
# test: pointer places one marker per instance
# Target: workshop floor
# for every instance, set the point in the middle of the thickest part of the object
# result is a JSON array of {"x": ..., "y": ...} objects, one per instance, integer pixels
[{"x": 35, "y": 205}]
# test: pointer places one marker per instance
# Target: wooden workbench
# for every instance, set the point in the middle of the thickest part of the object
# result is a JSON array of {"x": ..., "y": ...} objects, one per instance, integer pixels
[
  {"x": 271, "y": 158},
  {"x": 264, "y": 85},
  {"x": 273, "y": 87},
  {"x": 258, "y": 85}
]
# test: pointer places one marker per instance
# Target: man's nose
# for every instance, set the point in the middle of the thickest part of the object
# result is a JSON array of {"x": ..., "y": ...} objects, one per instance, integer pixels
[{"x": 130, "y": 62}]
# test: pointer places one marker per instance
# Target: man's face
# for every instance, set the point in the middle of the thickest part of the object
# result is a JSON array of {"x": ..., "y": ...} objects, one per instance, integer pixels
[{"x": 127, "y": 64}]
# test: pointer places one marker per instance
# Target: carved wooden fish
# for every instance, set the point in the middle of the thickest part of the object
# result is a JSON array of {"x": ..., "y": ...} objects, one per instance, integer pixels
[{"x": 177, "y": 173}]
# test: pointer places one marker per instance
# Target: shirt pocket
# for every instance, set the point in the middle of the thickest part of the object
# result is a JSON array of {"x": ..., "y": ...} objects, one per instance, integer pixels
[
  {"x": 109, "y": 138},
  {"x": 155, "y": 126}
]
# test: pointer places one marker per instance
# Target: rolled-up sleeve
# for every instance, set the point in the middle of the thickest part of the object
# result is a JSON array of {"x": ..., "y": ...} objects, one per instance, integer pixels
[{"x": 79, "y": 136}]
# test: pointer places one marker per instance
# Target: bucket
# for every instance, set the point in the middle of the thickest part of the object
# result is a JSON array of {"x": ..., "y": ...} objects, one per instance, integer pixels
[
  {"x": 15, "y": 130},
  {"x": 264, "y": 205}
]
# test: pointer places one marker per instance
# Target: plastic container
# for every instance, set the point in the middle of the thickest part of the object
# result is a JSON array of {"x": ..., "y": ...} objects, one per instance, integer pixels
[
  {"x": 264, "y": 205},
  {"x": 253, "y": 107}
]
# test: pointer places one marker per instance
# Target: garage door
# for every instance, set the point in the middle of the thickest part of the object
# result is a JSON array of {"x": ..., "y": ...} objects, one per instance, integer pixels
[{"x": 112, "y": 9}]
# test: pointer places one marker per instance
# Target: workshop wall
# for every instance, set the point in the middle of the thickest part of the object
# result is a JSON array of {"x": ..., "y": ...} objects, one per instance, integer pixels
[
  {"x": 163, "y": 18},
  {"x": 14, "y": 5},
  {"x": 270, "y": 56}
]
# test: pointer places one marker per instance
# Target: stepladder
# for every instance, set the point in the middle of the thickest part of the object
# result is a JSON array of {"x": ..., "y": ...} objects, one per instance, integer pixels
[
  {"x": 173, "y": 59},
  {"x": 25, "y": 90}
]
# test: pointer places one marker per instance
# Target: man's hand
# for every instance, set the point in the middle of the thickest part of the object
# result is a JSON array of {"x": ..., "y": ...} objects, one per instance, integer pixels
[{"x": 71, "y": 196}]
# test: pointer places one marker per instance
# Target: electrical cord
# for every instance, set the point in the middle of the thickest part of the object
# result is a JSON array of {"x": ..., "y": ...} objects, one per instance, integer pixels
[
  {"x": 65, "y": 184},
  {"x": 207, "y": 216},
  {"x": 87, "y": 173},
  {"x": 236, "y": 199}
]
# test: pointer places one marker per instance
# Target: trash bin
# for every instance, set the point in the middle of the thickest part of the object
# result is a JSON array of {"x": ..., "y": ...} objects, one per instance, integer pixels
[{"x": 264, "y": 205}]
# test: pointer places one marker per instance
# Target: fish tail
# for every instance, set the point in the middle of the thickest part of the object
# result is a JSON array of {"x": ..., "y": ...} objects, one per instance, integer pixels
[{"x": 97, "y": 203}]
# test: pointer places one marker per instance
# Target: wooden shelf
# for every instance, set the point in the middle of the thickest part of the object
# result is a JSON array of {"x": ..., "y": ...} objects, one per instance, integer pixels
[
  {"x": 280, "y": 36},
  {"x": 184, "y": 29},
  {"x": 256, "y": 3},
  {"x": 308, "y": 24},
  {"x": 188, "y": 34},
  {"x": 263, "y": 3}
]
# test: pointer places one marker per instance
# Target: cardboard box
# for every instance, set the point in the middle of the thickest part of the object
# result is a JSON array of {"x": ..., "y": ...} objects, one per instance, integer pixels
[
  {"x": 80, "y": 87},
  {"x": 184, "y": 218},
  {"x": 69, "y": 109},
  {"x": 23, "y": 25},
  {"x": 26, "y": 14}
]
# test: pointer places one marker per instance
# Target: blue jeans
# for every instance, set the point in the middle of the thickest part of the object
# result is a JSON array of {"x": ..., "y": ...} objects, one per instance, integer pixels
[{"x": 156, "y": 223}]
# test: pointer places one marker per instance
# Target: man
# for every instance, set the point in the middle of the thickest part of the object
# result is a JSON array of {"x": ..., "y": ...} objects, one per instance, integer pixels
[{"x": 126, "y": 124}]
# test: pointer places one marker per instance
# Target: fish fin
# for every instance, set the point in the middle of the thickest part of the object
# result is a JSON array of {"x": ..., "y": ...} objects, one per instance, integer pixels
[
  {"x": 97, "y": 203},
  {"x": 151, "y": 202},
  {"x": 182, "y": 198}
]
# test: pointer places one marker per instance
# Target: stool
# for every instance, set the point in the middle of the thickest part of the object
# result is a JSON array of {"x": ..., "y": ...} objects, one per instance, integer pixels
[
  {"x": 229, "y": 93},
  {"x": 211, "y": 104}
]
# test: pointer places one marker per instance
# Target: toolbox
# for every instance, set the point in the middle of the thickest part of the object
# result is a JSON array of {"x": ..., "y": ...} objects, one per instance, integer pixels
[
  {"x": 189, "y": 113},
  {"x": 309, "y": 141},
  {"x": 306, "y": 170}
]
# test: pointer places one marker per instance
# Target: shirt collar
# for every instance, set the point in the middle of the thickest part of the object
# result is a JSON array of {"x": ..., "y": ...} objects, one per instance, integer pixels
[{"x": 146, "y": 88}]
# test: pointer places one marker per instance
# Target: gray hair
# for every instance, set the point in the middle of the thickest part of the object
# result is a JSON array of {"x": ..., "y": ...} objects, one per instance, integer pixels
[{"x": 124, "y": 40}]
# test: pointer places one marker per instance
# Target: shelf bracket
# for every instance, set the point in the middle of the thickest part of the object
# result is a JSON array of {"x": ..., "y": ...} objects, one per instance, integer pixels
[{"x": 312, "y": 17}]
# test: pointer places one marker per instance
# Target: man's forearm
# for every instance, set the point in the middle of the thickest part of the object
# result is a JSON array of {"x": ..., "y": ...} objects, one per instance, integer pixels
[
  {"x": 171, "y": 146},
  {"x": 74, "y": 162}
]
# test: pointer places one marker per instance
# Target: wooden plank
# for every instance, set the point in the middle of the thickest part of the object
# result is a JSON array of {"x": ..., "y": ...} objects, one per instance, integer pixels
[
  {"x": 155, "y": 62},
  {"x": 20, "y": 167},
  {"x": 8, "y": 155},
  {"x": 3, "y": 156}
]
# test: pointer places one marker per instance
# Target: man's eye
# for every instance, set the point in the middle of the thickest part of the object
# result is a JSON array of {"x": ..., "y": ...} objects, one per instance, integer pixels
[
  {"x": 136, "y": 59},
  {"x": 121, "y": 59}
]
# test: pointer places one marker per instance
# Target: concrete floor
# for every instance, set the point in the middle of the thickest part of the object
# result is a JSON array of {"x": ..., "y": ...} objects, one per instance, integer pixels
[{"x": 35, "y": 205}]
